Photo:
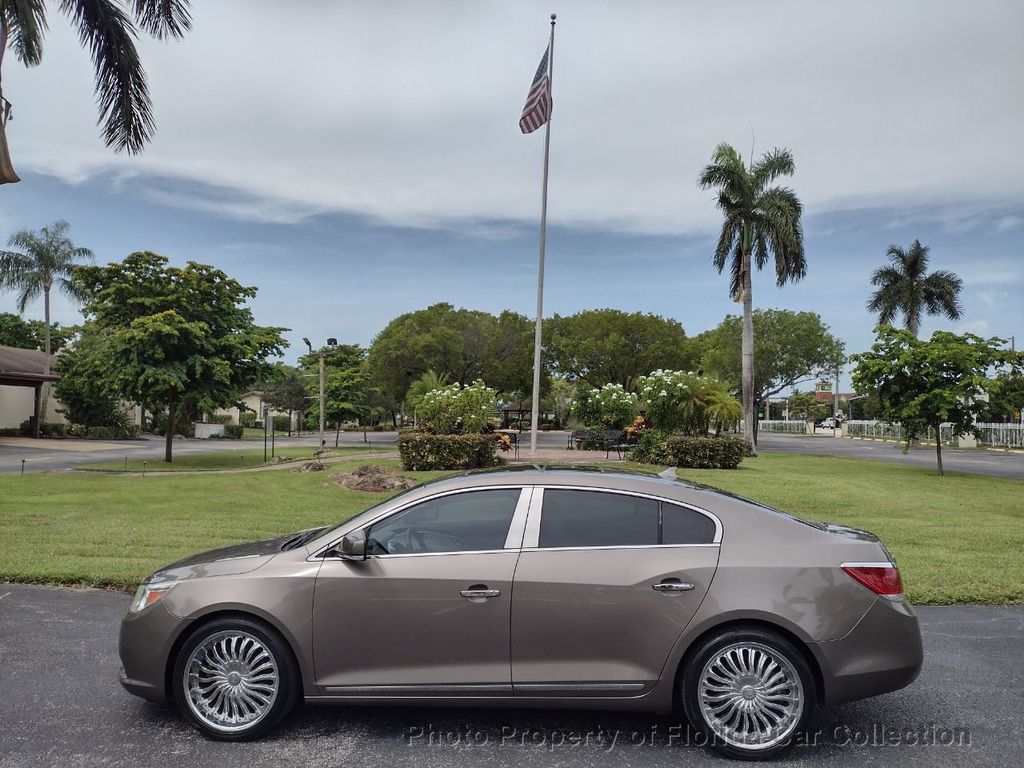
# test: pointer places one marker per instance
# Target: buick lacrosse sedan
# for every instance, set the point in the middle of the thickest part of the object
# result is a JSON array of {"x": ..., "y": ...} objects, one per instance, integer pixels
[{"x": 533, "y": 587}]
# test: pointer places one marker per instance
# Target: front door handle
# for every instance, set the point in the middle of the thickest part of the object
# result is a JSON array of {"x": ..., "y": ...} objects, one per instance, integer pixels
[
  {"x": 479, "y": 592},
  {"x": 672, "y": 586}
]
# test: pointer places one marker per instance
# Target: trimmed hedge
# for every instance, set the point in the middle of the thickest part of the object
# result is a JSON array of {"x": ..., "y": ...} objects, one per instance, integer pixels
[
  {"x": 233, "y": 431},
  {"x": 423, "y": 452},
  {"x": 706, "y": 452}
]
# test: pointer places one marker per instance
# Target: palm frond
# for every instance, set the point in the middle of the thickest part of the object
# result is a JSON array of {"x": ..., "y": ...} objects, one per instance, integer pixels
[
  {"x": 778, "y": 162},
  {"x": 121, "y": 89},
  {"x": 726, "y": 170},
  {"x": 886, "y": 276},
  {"x": 941, "y": 291},
  {"x": 163, "y": 18},
  {"x": 726, "y": 242},
  {"x": 26, "y": 24}
]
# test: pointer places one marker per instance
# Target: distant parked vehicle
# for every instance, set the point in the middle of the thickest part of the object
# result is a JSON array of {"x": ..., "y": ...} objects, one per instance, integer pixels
[{"x": 829, "y": 423}]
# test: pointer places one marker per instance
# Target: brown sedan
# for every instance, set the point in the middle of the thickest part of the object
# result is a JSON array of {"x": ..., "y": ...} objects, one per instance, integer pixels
[{"x": 534, "y": 587}]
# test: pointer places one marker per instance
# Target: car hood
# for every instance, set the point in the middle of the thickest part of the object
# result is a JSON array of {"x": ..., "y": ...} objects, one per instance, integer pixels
[{"x": 224, "y": 561}]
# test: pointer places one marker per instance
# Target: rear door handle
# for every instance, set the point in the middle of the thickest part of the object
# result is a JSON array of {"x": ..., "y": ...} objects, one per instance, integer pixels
[{"x": 672, "y": 586}]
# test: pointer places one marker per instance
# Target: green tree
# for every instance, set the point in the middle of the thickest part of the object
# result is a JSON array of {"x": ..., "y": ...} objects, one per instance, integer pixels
[
  {"x": 609, "y": 346},
  {"x": 109, "y": 32},
  {"x": 84, "y": 391},
  {"x": 804, "y": 405},
  {"x": 924, "y": 384},
  {"x": 176, "y": 339},
  {"x": 1006, "y": 397},
  {"x": 905, "y": 287},
  {"x": 793, "y": 347},
  {"x": 761, "y": 222},
  {"x": 427, "y": 382},
  {"x": 15, "y": 331},
  {"x": 287, "y": 391},
  {"x": 508, "y": 360}
]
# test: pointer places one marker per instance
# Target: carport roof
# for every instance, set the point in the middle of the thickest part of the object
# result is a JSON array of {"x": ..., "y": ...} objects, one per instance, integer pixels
[{"x": 24, "y": 367}]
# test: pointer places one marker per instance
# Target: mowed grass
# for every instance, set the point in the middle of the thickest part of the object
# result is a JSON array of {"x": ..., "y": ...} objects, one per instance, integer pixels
[
  {"x": 226, "y": 459},
  {"x": 113, "y": 531},
  {"x": 957, "y": 539}
]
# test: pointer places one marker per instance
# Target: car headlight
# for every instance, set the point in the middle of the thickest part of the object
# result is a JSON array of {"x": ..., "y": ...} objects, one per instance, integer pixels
[{"x": 147, "y": 594}]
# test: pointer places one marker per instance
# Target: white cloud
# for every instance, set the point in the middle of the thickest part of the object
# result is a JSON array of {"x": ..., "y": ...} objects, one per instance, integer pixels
[{"x": 407, "y": 111}]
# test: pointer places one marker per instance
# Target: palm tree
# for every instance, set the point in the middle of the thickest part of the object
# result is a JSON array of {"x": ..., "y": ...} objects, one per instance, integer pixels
[
  {"x": 905, "y": 287},
  {"x": 45, "y": 261},
  {"x": 761, "y": 222},
  {"x": 109, "y": 32}
]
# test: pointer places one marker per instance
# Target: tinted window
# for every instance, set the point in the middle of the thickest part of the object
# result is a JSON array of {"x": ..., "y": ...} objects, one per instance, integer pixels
[
  {"x": 595, "y": 519},
  {"x": 680, "y": 525},
  {"x": 461, "y": 522}
]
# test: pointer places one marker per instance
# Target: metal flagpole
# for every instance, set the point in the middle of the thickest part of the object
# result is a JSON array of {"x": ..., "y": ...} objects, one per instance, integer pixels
[{"x": 535, "y": 403}]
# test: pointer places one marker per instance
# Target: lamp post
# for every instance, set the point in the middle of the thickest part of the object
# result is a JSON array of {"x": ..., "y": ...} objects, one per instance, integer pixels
[{"x": 331, "y": 342}]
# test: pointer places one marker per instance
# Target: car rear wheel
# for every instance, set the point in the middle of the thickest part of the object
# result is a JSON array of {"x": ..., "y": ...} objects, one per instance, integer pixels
[
  {"x": 749, "y": 691},
  {"x": 235, "y": 679}
]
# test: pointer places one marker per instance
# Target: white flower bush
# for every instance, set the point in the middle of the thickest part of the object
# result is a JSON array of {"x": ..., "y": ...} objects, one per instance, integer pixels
[
  {"x": 453, "y": 408},
  {"x": 610, "y": 406}
]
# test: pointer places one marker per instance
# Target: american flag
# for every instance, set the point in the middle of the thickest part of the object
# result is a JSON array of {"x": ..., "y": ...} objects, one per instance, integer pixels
[{"x": 538, "y": 101}]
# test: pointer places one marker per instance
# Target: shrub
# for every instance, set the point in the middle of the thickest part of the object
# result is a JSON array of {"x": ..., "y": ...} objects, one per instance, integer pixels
[
  {"x": 610, "y": 407},
  {"x": 218, "y": 418},
  {"x": 122, "y": 432},
  {"x": 453, "y": 409},
  {"x": 690, "y": 403},
  {"x": 651, "y": 448},
  {"x": 247, "y": 419},
  {"x": 233, "y": 431},
  {"x": 706, "y": 452},
  {"x": 282, "y": 423},
  {"x": 10, "y": 431},
  {"x": 52, "y": 430},
  {"x": 422, "y": 452}
]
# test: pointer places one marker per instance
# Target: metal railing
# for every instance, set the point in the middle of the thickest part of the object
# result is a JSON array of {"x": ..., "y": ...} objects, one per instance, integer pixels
[
  {"x": 1001, "y": 435},
  {"x": 787, "y": 427}
]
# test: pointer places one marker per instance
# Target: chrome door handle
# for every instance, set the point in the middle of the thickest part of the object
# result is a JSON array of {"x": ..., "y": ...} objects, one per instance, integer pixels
[
  {"x": 672, "y": 586},
  {"x": 477, "y": 593}
]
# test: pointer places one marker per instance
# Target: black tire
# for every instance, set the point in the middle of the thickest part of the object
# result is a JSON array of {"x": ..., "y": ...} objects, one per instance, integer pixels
[
  {"x": 762, "y": 641},
  {"x": 285, "y": 697}
]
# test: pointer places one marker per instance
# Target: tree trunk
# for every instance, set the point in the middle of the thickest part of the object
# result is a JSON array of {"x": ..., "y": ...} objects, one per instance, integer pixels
[
  {"x": 169, "y": 437},
  {"x": 46, "y": 364},
  {"x": 337, "y": 433},
  {"x": 7, "y": 172},
  {"x": 938, "y": 448},
  {"x": 749, "y": 411}
]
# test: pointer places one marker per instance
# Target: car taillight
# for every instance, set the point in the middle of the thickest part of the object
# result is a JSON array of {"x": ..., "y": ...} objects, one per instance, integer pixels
[{"x": 881, "y": 578}]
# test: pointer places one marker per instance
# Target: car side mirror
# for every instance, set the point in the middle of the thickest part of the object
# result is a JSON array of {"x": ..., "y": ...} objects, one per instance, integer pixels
[{"x": 352, "y": 546}]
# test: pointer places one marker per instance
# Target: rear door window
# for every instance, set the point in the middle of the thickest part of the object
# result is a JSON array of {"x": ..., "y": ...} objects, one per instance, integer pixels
[{"x": 572, "y": 518}]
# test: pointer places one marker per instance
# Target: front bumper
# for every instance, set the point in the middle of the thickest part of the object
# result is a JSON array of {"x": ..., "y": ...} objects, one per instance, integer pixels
[
  {"x": 144, "y": 646},
  {"x": 882, "y": 653}
]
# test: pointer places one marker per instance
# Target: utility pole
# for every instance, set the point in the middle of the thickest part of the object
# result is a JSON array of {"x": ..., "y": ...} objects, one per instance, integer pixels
[{"x": 331, "y": 342}]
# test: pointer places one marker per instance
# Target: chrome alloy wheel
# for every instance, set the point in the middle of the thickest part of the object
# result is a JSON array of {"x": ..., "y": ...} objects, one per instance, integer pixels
[
  {"x": 231, "y": 680},
  {"x": 750, "y": 696}
]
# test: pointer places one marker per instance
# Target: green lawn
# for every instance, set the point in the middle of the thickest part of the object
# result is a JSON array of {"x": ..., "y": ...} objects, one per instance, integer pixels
[
  {"x": 247, "y": 457},
  {"x": 957, "y": 539},
  {"x": 115, "y": 530},
  {"x": 252, "y": 433}
]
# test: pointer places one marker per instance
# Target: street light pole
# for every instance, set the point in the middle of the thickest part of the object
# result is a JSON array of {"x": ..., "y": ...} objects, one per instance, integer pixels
[{"x": 321, "y": 399}]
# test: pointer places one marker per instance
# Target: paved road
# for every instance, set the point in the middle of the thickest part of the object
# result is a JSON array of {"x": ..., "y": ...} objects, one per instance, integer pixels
[
  {"x": 54, "y": 456},
  {"x": 49, "y": 456},
  {"x": 979, "y": 462},
  {"x": 60, "y": 705}
]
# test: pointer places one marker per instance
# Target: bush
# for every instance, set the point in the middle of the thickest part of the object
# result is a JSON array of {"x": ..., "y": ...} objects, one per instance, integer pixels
[
  {"x": 452, "y": 409},
  {"x": 282, "y": 423},
  {"x": 247, "y": 419},
  {"x": 651, "y": 448},
  {"x": 706, "y": 452},
  {"x": 10, "y": 431},
  {"x": 610, "y": 407},
  {"x": 218, "y": 418},
  {"x": 233, "y": 431},
  {"x": 52, "y": 430},
  {"x": 423, "y": 452}
]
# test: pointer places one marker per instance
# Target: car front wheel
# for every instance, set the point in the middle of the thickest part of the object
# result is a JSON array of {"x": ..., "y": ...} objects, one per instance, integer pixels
[
  {"x": 235, "y": 679},
  {"x": 748, "y": 691}
]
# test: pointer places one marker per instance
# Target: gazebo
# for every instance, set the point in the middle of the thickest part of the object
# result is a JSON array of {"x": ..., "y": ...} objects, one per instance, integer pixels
[
  {"x": 27, "y": 368},
  {"x": 516, "y": 410}
]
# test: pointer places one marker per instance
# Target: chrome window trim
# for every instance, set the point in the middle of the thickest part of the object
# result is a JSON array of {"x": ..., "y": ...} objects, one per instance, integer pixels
[
  {"x": 318, "y": 555},
  {"x": 532, "y": 538},
  {"x": 437, "y": 554},
  {"x": 617, "y": 546}
]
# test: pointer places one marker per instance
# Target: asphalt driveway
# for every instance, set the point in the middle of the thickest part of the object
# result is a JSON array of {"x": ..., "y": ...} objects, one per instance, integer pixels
[{"x": 60, "y": 705}]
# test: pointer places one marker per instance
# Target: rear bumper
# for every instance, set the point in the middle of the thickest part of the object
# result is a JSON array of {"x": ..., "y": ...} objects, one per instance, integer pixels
[
  {"x": 882, "y": 653},
  {"x": 144, "y": 645}
]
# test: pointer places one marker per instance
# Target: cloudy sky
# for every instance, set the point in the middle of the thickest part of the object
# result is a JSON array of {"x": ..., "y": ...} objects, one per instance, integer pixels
[{"x": 356, "y": 160}]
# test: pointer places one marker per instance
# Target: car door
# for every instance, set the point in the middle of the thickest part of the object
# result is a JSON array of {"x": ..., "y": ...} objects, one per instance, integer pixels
[
  {"x": 605, "y": 585},
  {"x": 427, "y": 612}
]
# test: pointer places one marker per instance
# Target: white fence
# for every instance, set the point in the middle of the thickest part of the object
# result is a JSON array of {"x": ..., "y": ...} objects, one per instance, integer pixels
[
  {"x": 788, "y": 427},
  {"x": 994, "y": 435},
  {"x": 1001, "y": 435}
]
